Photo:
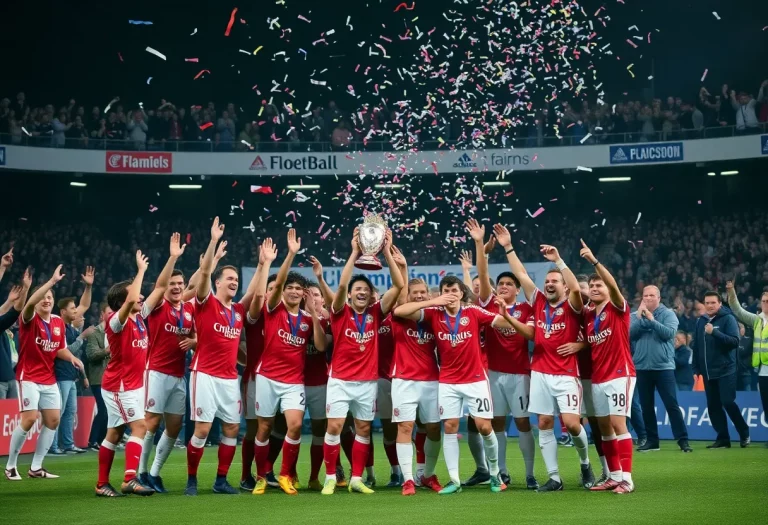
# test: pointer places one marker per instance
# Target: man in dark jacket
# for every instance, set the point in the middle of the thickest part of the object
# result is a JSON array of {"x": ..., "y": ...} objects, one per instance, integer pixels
[
  {"x": 683, "y": 358},
  {"x": 714, "y": 357},
  {"x": 744, "y": 360}
]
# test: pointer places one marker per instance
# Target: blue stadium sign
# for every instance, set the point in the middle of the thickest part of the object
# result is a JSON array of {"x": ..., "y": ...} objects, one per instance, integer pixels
[
  {"x": 764, "y": 144},
  {"x": 642, "y": 153},
  {"x": 2, "y": 155}
]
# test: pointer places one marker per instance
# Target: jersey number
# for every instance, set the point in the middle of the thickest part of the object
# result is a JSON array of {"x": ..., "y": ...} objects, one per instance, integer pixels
[
  {"x": 573, "y": 400},
  {"x": 619, "y": 400},
  {"x": 483, "y": 405},
  {"x": 303, "y": 401},
  {"x": 524, "y": 404}
]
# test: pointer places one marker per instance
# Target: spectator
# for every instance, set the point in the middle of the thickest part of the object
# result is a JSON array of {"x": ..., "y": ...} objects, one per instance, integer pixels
[
  {"x": 137, "y": 129},
  {"x": 98, "y": 354},
  {"x": 341, "y": 137},
  {"x": 744, "y": 361},
  {"x": 77, "y": 136},
  {"x": 762, "y": 96},
  {"x": 226, "y": 129},
  {"x": 174, "y": 130},
  {"x": 683, "y": 359},
  {"x": 115, "y": 128},
  {"x": 8, "y": 354},
  {"x": 244, "y": 139},
  {"x": 652, "y": 332},
  {"x": 744, "y": 105},
  {"x": 714, "y": 357},
  {"x": 21, "y": 107},
  {"x": 43, "y": 131}
]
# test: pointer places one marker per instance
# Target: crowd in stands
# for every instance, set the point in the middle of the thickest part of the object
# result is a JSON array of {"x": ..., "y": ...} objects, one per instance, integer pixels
[{"x": 172, "y": 127}]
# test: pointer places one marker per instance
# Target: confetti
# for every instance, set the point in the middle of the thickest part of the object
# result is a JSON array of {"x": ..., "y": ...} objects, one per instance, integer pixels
[
  {"x": 304, "y": 19},
  {"x": 139, "y": 23},
  {"x": 201, "y": 73},
  {"x": 583, "y": 168},
  {"x": 536, "y": 213},
  {"x": 193, "y": 32},
  {"x": 639, "y": 214},
  {"x": 155, "y": 52},
  {"x": 704, "y": 75},
  {"x": 716, "y": 15},
  {"x": 152, "y": 208},
  {"x": 149, "y": 80},
  {"x": 403, "y": 4},
  {"x": 258, "y": 49},
  {"x": 260, "y": 189},
  {"x": 206, "y": 126},
  {"x": 231, "y": 21},
  {"x": 586, "y": 138}
]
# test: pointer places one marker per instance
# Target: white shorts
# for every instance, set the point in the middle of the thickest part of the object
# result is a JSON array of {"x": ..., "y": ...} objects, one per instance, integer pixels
[
  {"x": 214, "y": 397},
  {"x": 33, "y": 396},
  {"x": 384, "y": 399},
  {"x": 551, "y": 394},
  {"x": 249, "y": 399},
  {"x": 614, "y": 397},
  {"x": 409, "y": 396},
  {"x": 273, "y": 394},
  {"x": 510, "y": 393},
  {"x": 123, "y": 407},
  {"x": 316, "y": 396},
  {"x": 358, "y": 397},
  {"x": 477, "y": 395},
  {"x": 587, "y": 405},
  {"x": 164, "y": 394}
]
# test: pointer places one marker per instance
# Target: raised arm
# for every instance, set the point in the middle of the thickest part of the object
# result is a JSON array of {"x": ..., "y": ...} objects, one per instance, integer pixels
[
  {"x": 613, "y": 288},
  {"x": 318, "y": 331},
  {"x": 574, "y": 293},
  {"x": 294, "y": 245},
  {"x": 748, "y": 318},
  {"x": 412, "y": 311},
  {"x": 134, "y": 289},
  {"x": 402, "y": 265},
  {"x": 477, "y": 233},
  {"x": 206, "y": 266},
  {"x": 5, "y": 262},
  {"x": 346, "y": 274},
  {"x": 466, "y": 268},
  {"x": 163, "y": 280},
  {"x": 524, "y": 329},
  {"x": 505, "y": 241},
  {"x": 29, "y": 309},
  {"x": 247, "y": 298},
  {"x": 267, "y": 255},
  {"x": 325, "y": 290},
  {"x": 389, "y": 299},
  {"x": 85, "y": 299}
]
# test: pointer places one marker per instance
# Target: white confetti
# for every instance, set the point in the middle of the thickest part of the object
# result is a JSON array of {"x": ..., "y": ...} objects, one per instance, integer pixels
[
  {"x": 583, "y": 168},
  {"x": 716, "y": 15},
  {"x": 639, "y": 214},
  {"x": 155, "y": 52}
]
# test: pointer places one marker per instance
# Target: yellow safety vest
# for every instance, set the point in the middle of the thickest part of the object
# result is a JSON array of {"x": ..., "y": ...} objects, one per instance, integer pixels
[{"x": 760, "y": 344}]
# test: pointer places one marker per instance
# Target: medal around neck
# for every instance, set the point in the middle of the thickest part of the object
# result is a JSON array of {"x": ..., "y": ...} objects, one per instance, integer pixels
[{"x": 371, "y": 237}]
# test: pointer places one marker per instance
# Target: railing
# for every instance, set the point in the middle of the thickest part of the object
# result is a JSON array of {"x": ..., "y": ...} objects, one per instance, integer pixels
[{"x": 532, "y": 141}]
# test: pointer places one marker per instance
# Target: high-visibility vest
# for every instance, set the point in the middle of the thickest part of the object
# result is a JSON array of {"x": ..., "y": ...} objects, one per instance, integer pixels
[{"x": 760, "y": 344}]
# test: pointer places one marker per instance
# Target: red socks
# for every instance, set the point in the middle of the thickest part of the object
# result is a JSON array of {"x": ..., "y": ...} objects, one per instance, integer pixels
[
  {"x": 261, "y": 453},
  {"x": 106, "y": 457},
  {"x": 420, "y": 439},
  {"x": 132, "y": 454},
  {"x": 611, "y": 450},
  {"x": 624, "y": 448},
  {"x": 227, "y": 449},
  {"x": 361, "y": 453},
  {"x": 194, "y": 454},
  {"x": 331, "y": 450},
  {"x": 290, "y": 456},
  {"x": 247, "y": 454}
]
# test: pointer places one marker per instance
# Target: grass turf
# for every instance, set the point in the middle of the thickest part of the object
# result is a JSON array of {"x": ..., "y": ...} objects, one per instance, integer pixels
[{"x": 707, "y": 486}]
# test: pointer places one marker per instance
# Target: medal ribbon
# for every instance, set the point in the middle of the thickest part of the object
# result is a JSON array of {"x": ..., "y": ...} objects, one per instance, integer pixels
[
  {"x": 453, "y": 329},
  {"x": 231, "y": 319},
  {"x": 179, "y": 317},
  {"x": 294, "y": 327},
  {"x": 549, "y": 314},
  {"x": 360, "y": 323}
]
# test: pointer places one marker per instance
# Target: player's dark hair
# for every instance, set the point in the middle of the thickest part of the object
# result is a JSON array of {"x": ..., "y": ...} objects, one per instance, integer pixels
[
  {"x": 450, "y": 280},
  {"x": 682, "y": 332},
  {"x": 712, "y": 293},
  {"x": 509, "y": 275},
  {"x": 297, "y": 278},
  {"x": 117, "y": 295},
  {"x": 272, "y": 278},
  {"x": 64, "y": 302},
  {"x": 103, "y": 306},
  {"x": 594, "y": 277},
  {"x": 312, "y": 284},
  {"x": 360, "y": 277},
  {"x": 582, "y": 278},
  {"x": 489, "y": 280},
  {"x": 176, "y": 272},
  {"x": 557, "y": 271},
  {"x": 220, "y": 270}
]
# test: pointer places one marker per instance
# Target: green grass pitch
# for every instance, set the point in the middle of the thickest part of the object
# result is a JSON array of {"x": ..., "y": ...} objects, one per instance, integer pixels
[{"x": 707, "y": 486}]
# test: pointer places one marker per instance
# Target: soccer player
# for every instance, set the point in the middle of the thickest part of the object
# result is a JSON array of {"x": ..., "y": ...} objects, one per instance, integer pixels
[
  {"x": 213, "y": 388},
  {"x": 280, "y": 374},
  {"x": 613, "y": 372},
  {"x": 352, "y": 381},
  {"x": 384, "y": 401},
  {"x": 171, "y": 326},
  {"x": 509, "y": 367},
  {"x": 415, "y": 389},
  {"x": 42, "y": 339},
  {"x": 462, "y": 374},
  {"x": 555, "y": 384}
]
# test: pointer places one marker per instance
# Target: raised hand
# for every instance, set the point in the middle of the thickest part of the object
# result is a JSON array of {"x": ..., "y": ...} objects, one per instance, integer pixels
[
  {"x": 220, "y": 251},
  {"x": 474, "y": 230},
  {"x": 217, "y": 230},
  {"x": 26, "y": 279},
  {"x": 268, "y": 250},
  {"x": 490, "y": 245},
  {"x": 356, "y": 240},
  {"x": 88, "y": 276},
  {"x": 176, "y": 247},
  {"x": 57, "y": 275},
  {"x": 7, "y": 259},
  {"x": 445, "y": 299},
  {"x": 309, "y": 302},
  {"x": 549, "y": 252},
  {"x": 466, "y": 260},
  {"x": 14, "y": 294},
  {"x": 398, "y": 257},
  {"x": 729, "y": 286},
  {"x": 586, "y": 253},
  {"x": 142, "y": 261},
  {"x": 501, "y": 303},
  {"x": 317, "y": 268},
  {"x": 502, "y": 235},
  {"x": 387, "y": 240},
  {"x": 294, "y": 243}
]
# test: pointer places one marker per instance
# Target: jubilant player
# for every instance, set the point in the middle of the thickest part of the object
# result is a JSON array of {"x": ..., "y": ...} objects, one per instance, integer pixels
[
  {"x": 280, "y": 374},
  {"x": 555, "y": 384},
  {"x": 509, "y": 367},
  {"x": 171, "y": 326},
  {"x": 462, "y": 374},
  {"x": 352, "y": 381},
  {"x": 123, "y": 383},
  {"x": 613, "y": 372},
  {"x": 415, "y": 387},
  {"x": 213, "y": 390}
]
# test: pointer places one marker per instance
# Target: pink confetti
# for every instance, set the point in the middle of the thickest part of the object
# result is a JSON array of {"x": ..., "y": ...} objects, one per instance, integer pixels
[
  {"x": 120, "y": 57},
  {"x": 302, "y": 18},
  {"x": 153, "y": 208},
  {"x": 631, "y": 43},
  {"x": 537, "y": 212},
  {"x": 321, "y": 227},
  {"x": 291, "y": 214},
  {"x": 191, "y": 60},
  {"x": 403, "y": 4},
  {"x": 201, "y": 73},
  {"x": 189, "y": 238}
]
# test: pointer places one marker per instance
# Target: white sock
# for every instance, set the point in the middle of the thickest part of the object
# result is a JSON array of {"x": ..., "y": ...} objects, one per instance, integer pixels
[
  {"x": 501, "y": 440},
  {"x": 41, "y": 449},
  {"x": 581, "y": 443},
  {"x": 528, "y": 449},
  {"x": 146, "y": 450},
  {"x": 330, "y": 439},
  {"x": 491, "y": 446},
  {"x": 431, "y": 453},
  {"x": 405, "y": 458},
  {"x": 548, "y": 446},
  {"x": 451, "y": 455},
  {"x": 18, "y": 437},
  {"x": 476, "y": 449},
  {"x": 164, "y": 449},
  {"x": 627, "y": 476},
  {"x": 604, "y": 465}
]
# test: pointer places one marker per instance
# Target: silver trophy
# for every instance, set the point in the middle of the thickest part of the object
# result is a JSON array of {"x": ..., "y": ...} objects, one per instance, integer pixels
[{"x": 371, "y": 235}]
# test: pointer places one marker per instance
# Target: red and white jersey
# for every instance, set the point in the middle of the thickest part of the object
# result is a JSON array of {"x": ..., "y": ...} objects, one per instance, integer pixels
[
  {"x": 316, "y": 364},
  {"x": 128, "y": 354},
  {"x": 254, "y": 345},
  {"x": 356, "y": 347},
  {"x": 508, "y": 350},
  {"x": 386, "y": 348},
  {"x": 218, "y": 337},
  {"x": 562, "y": 327},
  {"x": 167, "y": 327},
  {"x": 285, "y": 344},
  {"x": 608, "y": 335},
  {"x": 415, "y": 358},
  {"x": 461, "y": 363},
  {"x": 39, "y": 343}
]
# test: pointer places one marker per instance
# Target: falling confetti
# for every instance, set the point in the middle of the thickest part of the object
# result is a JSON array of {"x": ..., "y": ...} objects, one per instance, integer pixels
[
  {"x": 231, "y": 21},
  {"x": 139, "y": 22},
  {"x": 155, "y": 52}
]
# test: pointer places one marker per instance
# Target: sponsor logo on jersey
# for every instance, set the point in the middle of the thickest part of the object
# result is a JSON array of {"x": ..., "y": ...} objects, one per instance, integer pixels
[
  {"x": 227, "y": 331},
  {"x": 150, "y": 402},
  {"x": 354, "y": 334},
  {"x": 384, "y": 329},
  {"x": 426, "y": 336},
  {"x": 131, "y": 412},
  {"x": 596, "y": 339},
  {"x": 554, "y": 327},
  {"x": 142, "y": 343},
  {"x": 138, "y": 162},
  {"x": 187, "y": 316},
  {"x": 56, "y": 331},
  {"x": 174, "y": 329},
  {"x": 47, "y": 345},
  {"x": 464, "y": 321},
  {"x": 460, "y": 337},
  {"x": 290, "y": 339}
]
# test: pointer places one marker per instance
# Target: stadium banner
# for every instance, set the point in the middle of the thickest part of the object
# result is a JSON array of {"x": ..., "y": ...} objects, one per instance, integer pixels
[
  {"x": 2, "y": 155},
  {"x": 10, "y": 418},
  {"x": 395, "y": 162},
  {"x": 693, "y": 405},
  {"x": 430, "y": 274},
  {"x": 764, "y": 144}
]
